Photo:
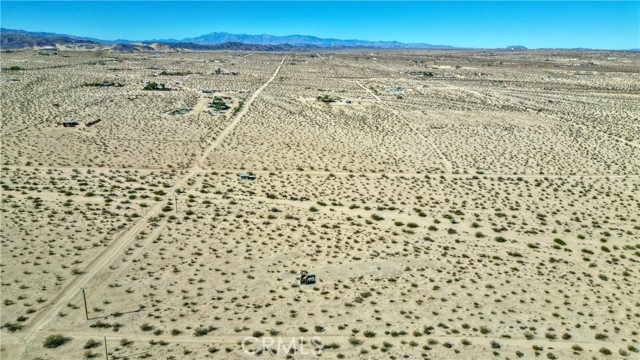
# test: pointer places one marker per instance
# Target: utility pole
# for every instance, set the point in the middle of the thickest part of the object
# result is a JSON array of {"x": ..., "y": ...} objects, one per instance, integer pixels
[
  {"x": 106, "y": 354},
  {"x": 175, "y": 197},
  {"x": 86, "y": 310}
]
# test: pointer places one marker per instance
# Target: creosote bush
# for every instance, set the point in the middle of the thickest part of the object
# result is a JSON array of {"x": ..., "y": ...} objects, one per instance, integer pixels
[{"x": 54, "y": 341}]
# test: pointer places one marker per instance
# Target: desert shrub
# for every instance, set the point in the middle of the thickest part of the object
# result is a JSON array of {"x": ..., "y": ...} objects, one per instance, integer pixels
[
  {"x": 154, "y": 86},
  {"x": 54, "y": 341},
  {"x": 623, "y": 352},
  {"x": 125, "y": 342},
  {"x": 12, "y": 327},
  {"x": 559, "y": 242},
  {"x": 174, "y": 73},
  {"x": 200, "y": 332},
  {"x": 605, "y": 351},
  {"x": 601, "y": 336},
  {"x": 90, "y": 344}
]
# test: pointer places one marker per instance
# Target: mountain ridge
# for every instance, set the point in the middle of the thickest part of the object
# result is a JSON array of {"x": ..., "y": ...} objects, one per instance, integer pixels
[
  {"x": 14, "y": 39},
  {"x": 305, "y": 40},
  {"x": 217, "y": 38}
]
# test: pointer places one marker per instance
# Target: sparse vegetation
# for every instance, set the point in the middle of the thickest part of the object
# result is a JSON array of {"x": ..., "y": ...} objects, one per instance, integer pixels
[{"x": 438, "y": 224}]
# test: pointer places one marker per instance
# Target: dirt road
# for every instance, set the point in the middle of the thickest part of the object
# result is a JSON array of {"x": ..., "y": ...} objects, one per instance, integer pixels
[{"x": 40, "y": 321}]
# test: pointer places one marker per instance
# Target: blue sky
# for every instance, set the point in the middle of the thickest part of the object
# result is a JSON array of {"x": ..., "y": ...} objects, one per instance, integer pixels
[{"x": 604, "y": 25}]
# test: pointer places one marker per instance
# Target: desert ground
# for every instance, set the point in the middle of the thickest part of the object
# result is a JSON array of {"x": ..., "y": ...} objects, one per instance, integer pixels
[{"x": 451, "y": 204}]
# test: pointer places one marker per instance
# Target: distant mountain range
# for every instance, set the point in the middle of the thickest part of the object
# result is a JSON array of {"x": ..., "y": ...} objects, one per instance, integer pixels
[
  {"x": 305, "y": 40},
  {"x": 17, "y": 39},
  {"x": 12, "y": 39}
]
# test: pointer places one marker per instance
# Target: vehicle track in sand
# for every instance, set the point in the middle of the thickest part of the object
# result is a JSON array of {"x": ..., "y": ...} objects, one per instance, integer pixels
[
  {"x": 105, "y": 258},
  {"x": 339, "y": 173},
  {"x": 245, "y": 107},
  {"x": 556, "y": 118},
  {"x": 446, "y": 163},
  {"x": 324, "y": 338}
]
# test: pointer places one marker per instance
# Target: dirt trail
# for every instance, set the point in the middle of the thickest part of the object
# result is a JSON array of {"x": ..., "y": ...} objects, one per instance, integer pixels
[
  {"x": 42, "y": 319},
  {"x": 339, "y": 173},
  {"x": 104, "y": 259},
  {"x": 201, "y": 106},
  {"x": 447, "y": 164},
  {"x": 407, "y": 174},
  {"x": 237, "y": 119},
  {"x": 563, "y": 120},
  {"x": 325, "y": 338}
]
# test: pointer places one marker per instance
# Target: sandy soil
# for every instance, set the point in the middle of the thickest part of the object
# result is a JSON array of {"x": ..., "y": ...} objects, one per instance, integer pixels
[{"x": 462, "y": 205}]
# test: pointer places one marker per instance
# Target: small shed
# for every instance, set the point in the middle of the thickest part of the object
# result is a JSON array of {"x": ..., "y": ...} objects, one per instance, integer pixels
[{"x": 247, "y": 176}]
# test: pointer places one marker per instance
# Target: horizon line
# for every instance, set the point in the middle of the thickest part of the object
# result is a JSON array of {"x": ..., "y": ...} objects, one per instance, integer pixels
[{"x": 451, "y": 47}]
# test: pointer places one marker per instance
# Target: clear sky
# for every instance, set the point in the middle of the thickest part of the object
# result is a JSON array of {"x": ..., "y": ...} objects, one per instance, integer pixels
[{"x": 603, "y": 25}]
